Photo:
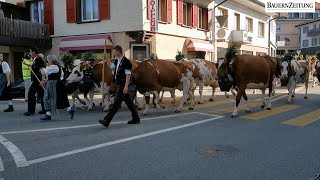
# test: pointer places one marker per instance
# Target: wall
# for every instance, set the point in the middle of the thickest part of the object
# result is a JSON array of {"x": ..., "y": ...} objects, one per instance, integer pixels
[
  {"x": 304, "y": 35},
  {"x": 174, "y": 28},
  {"x": 288, "y": 30},
  {"x": 126, "y": 15}
]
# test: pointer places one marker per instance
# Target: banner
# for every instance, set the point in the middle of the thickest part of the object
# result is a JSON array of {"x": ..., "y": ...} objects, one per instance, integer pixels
[
  {"x": 153, "y": 14},
  {"x": 286, "y": 6}
]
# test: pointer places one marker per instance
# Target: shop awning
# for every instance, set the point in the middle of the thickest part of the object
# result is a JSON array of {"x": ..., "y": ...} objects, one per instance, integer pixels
[
  {"x": 88, "y": 42},
  {"x": 199, "y": 45}
]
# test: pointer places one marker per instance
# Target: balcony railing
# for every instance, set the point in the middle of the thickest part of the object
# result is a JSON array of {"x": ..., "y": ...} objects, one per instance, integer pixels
[
  {"x": 23, "y": 29},
  {"x": 313, "y": 32}
]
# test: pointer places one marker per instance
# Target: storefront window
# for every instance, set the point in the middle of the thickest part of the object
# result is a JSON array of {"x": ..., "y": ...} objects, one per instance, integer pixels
[{"x": 140, "y": 51}]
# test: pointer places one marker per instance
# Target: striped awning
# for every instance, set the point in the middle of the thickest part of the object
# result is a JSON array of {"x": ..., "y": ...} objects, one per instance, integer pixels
[
  {"x": 199, "y": 45},
  {"x": 87, "y": 42}
]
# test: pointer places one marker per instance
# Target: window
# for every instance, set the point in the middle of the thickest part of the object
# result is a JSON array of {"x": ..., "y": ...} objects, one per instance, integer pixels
[
  {"x": 249, "y": 24},
  {"x": 278, "y": 28},
  {"x": 314, "y": 41},
  {"x": 140, "y": 51},
  {"x": 187, "y": 14},
  {"x": 261, "y": 29},
  {"x": 305, "y": 29},
  {"x": 305, "y": 43},
  {"x": 314, "y": 26},
  {"x": 89, "y": 10},
  {"x": 162, "y": 8},
  {"x": 277, "y": 38},
  {"x": 223, "y": 12},
  {"x": 308, "y": 15},
  {"x": 295, "y": 16},
  {"x": 200, "y": 18},
  {"x": 247, "y": 52},
  {"x": 203, "y": 18},
  {"x": 315, "y": 15},
  {"x": 287, "y": 41},
  {"x": 236, "y": 21},
  {"x": 36, "y": 12}
]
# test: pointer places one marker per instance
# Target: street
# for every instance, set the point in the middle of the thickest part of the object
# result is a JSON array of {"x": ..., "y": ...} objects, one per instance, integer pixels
[{"x": 201, "y": 144}]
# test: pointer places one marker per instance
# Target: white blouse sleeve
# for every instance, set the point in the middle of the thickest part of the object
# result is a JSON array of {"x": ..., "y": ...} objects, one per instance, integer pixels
[
  {"x": 51, "y": 69},
  {"x": 5, "y": 68}
]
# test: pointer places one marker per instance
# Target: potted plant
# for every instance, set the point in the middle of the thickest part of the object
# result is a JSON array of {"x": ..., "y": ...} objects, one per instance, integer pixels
[{"x": 180, "y": 56}]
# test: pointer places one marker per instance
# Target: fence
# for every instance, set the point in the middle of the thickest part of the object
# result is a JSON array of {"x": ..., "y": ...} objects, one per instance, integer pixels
[{"x": 23, "y": 29}]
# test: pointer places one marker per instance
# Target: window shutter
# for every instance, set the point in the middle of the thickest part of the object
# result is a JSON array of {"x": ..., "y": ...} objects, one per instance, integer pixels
[
  {"x": 195, "y": 16},
  {"x": 71, "y": 11},
  {"x": 209, "y": 23},
  {"x": 21, "y": 4},
  {"x": 180, "y": 12},
  {"x": 205, "y": 19},
  {"x": 48, "y": 14},
  {"x": 104, "y": 9},
  {"x": 148, "y": 10},
  {"x": 169, "y": 11}
]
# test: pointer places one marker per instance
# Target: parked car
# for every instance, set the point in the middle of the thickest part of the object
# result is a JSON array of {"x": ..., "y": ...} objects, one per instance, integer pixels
[{"x": 17, "y": 89}]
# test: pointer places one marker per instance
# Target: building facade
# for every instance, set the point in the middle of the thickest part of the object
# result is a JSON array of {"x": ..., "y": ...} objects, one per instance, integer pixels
[
  {"x": 18, "y": 33},
  {"x": 247, "y": 26},
  {"x": 287, "y": 32},
  {"x": 310, "y": 36}
]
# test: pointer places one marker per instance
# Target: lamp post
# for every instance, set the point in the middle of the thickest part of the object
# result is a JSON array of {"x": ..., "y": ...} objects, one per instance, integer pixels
[{"x": 213, "y": 24}]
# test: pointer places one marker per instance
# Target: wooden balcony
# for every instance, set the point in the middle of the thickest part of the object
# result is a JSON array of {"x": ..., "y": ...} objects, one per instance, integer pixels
[{"x": 15, "y": 32}]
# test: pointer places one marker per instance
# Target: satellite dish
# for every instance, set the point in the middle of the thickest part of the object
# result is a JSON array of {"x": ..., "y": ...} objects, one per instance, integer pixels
[{"x": 221, "y": 33}]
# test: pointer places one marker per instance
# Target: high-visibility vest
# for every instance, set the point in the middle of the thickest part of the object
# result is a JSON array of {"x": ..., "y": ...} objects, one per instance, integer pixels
[{"x": 26, "y": 70}]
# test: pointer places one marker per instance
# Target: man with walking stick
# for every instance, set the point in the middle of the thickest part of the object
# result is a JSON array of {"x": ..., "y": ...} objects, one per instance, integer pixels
[{"x": 37, "y": 77}]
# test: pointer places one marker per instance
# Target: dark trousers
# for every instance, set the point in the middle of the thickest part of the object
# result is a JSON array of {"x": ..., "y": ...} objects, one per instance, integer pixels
[
  {"x": 35, "y": 88},
  {"x": 118, "y": 100}
]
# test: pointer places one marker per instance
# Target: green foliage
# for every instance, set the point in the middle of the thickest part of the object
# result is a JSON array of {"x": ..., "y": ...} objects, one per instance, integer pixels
[
  {"x": 89, "y": 56},
  {"x": 287, "y": 57},
  {"x": 318, "y": 55},
  {"x": 180, "y": 56},
  {"x": 154, "y": 56},
  {"x": 231, "y": 52},
  {"x": 67, "y": 60}
]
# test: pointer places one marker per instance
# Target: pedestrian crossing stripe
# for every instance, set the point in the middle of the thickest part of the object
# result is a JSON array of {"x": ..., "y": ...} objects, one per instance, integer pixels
[
  {"x": 252, "y": 104},
  {"x": 304, "y": 119},
  {"x": 211, "y": 104},
  {"x": 268, "y": 113}
]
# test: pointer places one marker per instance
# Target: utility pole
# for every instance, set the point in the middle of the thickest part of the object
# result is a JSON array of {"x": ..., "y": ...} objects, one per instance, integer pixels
[{"x": 213, "y": 24}]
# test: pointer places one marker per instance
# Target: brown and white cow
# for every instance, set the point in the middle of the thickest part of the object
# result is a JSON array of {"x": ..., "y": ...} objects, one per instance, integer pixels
[
  {"x": 249, "y": 72},
  {"x": 294, "y": 72},
  {"x": 157, "y": 75}
]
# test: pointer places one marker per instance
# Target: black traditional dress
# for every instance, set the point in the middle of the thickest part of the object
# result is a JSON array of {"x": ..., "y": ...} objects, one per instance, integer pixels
[{"x": 5, "y": 93}]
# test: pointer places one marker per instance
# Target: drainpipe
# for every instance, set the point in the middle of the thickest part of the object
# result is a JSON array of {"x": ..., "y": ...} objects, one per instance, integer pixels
[{"x": 214, "y": 29}]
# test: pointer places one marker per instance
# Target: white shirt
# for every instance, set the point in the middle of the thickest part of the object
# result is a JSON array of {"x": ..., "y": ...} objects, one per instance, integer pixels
[
  {"x": 53, "y": 69},
  {"x": 5, "y": 68}
]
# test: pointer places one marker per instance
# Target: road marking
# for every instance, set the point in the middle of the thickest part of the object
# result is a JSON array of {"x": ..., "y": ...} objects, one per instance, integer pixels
[
  {"x": 211, "y": 104},
  {"x": 1, "y": 165},
  {"x": 304, "y": 119},
  {"x": 253, "y": 103},
  {"x": 273, "y": 111},
  {"x": 17, "y": 155},
  {"x": 68, "y": 153},
  {"x": 88, "y": 125}
]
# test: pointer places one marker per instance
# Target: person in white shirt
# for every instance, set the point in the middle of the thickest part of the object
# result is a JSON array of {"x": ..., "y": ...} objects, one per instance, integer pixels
[
  {"x": 53, "y": 87},
  {"x": 5, "y": 84}
]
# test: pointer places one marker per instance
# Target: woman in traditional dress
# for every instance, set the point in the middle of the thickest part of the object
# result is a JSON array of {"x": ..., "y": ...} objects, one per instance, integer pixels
[
  {"x": 55, "y": 96},
  {"x": 5, "y": 84}
]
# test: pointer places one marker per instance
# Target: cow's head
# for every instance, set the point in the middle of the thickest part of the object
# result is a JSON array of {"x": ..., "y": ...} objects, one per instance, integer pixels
[
  {"x": 285, "y": 69},
  {"x": 78, "y": 72},
  {"x": 223, "y": 68}
]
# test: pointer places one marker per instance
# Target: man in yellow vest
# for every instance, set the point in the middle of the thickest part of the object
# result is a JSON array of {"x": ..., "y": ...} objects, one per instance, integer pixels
[{"x": 26, "y": 73}]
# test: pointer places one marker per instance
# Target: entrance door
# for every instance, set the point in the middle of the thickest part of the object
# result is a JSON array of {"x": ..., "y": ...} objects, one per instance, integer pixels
[{"x": 17, "y": 57}]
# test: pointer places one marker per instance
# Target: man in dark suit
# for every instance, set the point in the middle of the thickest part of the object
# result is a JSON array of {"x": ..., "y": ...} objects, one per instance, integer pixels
[
  {"x": 122, "y": 77},
  {"x": 37, "y": 67}
]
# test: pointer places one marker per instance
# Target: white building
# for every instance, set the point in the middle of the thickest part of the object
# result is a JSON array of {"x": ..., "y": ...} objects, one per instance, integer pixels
[
  {"x": 310, "y": 36},
  {"x": 247, "y": 26}
]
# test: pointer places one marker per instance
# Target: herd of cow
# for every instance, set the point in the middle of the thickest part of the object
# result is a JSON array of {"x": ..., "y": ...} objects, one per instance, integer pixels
[{"x": 156, "y": 76}]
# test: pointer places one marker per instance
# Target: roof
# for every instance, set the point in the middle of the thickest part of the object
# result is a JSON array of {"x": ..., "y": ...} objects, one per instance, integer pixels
[{"x": 308, "y": 22}]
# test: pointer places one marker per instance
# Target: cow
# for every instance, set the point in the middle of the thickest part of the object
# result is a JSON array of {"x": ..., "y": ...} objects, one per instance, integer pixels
[
  {"x": 294, "y": 72},
  {"x": 157, "y": 75},
  {"x": 312, "y": 60},
  {"x": 248, "y": 72}
]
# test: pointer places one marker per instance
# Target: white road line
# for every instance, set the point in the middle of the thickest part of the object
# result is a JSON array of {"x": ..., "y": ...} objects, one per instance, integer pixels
[
  {"x": 17, "y": 155},
  {"x": 280, "y": 97},
  {"x": 89, "y": 125},
  {"x": 68, "y": 153},
  {"x": 1, "y": 166}
]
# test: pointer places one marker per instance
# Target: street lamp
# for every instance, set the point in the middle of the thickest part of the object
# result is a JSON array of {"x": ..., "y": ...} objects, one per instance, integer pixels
[{"x": 214, "y": 28}]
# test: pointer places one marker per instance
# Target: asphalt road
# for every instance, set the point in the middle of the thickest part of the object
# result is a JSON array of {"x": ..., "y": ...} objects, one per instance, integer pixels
[{"x": 202, "y": 144}]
